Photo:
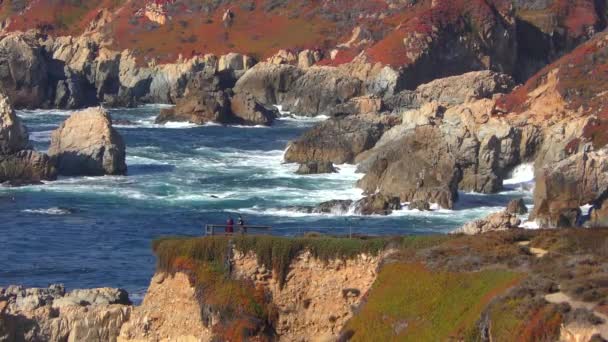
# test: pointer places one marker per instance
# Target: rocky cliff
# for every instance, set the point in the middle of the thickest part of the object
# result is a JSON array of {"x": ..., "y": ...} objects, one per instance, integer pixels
[{"x": 498, "y": 286}]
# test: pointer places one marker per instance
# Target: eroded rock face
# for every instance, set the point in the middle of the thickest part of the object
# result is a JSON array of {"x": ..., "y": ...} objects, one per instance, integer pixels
[
  {"x": 87, "y": 144},
  {"x": 312, "y": 91},
  {"x": 170, "y": 311},
  {"x": 317, "y": 296},
  {"x": 517, "y": 207},
  {"x": 494, "y": 222},
  {"x": 23, "y": 71},
  {"x": 562, "y": 188}
]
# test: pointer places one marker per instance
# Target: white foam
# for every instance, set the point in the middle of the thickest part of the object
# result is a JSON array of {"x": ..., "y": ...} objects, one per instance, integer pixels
[
  {"x": 523, "y": 173},
  {"x": 48, "y": 211},
  {"x": 41, "y": 136}
]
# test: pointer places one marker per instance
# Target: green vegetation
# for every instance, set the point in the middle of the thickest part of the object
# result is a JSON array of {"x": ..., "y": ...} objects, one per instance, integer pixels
[{"x": 410, "y": 302}]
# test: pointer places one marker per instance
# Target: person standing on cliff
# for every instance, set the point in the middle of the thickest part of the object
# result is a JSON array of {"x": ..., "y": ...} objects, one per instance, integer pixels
[
  {"x": 229, "y": 225},
  {"x": 242, "y": 227}
]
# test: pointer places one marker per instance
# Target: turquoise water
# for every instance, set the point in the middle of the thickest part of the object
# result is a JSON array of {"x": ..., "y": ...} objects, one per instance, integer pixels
[{"x": 96, "y": 231}]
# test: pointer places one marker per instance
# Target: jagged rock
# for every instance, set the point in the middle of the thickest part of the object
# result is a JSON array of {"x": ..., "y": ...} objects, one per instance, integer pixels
[
  {"x": 377, "y": 205},
  {"x": 333, "y": 207},
  {"x": 87, "y": 144},
  {"x": 283, "y": 57},
  {"x": 419, "y": 205},
  {"x": 494, "y": 222},
  {"x": 335, "y": 140},
  {"x": 18, "y": 164},
  {"x": 313, "y": 168},
  {"x": 26, "y": 167},
  {"x": 248, "y": 111},
  {"x": 268, "y": 83},
  {"x": 517, "y": 207},
  {"x": 23, "y": 71},
  {"x": 562, "y": 188},
  {"x": 13, "y": 134}
]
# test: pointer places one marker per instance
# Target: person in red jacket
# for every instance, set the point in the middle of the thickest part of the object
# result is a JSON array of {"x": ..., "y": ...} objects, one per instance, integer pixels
[{"x": 229, "y": 226}]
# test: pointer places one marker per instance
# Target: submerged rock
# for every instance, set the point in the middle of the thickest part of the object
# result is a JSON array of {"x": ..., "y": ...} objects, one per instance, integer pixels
[
  {"x": 87, "y": 144},
  {"x": 333, "y": 207},
  {"x": 419, "y": 205}
]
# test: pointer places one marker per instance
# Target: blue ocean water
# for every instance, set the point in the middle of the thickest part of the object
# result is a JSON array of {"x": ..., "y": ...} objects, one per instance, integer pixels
[{"x": 96, "y": 231}]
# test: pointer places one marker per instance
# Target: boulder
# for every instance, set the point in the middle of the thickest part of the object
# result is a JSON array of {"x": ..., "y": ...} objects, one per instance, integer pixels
[
  {"x": 494, "y": 222},
  {"x": 377, "y": 204},
  {"x": 87, "y": 144},
  {"x": 246, "y": 109},
  {"x": 517, "y": 207},
  {"x": 335, "y": 140},
  {"x": 562, "y": 188},
  {"x": 23, "y": 71},
  {"x": 313, "y": 168},
  {"x": 308, "y": 58}
]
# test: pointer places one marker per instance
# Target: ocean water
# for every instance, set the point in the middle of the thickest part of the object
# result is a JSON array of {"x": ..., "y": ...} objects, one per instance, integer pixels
[{"x": 96, "y": 231}]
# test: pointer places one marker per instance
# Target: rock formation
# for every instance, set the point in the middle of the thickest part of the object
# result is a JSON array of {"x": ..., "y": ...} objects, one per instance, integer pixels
[
  {"x": 19, "y": 164},
  {"x": 206, "y": 100},
  {"x": 313, "y": 168},
  {"x": 87, "y": 144},
  {"x": 562, "y": 188},
  {"x": 494, "y": 222},
  {"x": 310, "y": 92},
  {"x": 51, "y": 314}
]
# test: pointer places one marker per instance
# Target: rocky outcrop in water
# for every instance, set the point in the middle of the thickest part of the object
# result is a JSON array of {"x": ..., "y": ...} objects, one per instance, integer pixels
[
  {"x": 87, "y": 144},
  {"x": 207, "y": 100},
  {"x": 51, "y": 314},
  {"x": 313, "y": 168},
  {"x": 562, "y": 188},
  {"x": 19, "y": 164},
  {"x": 337, "y": 140}
]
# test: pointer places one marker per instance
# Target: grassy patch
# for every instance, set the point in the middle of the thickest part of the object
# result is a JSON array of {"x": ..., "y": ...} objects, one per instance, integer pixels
[{"x": 410, "y": 302}]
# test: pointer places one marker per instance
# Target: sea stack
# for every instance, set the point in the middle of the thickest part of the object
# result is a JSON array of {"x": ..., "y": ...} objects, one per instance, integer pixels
[{"x": 87, "y": 144}]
